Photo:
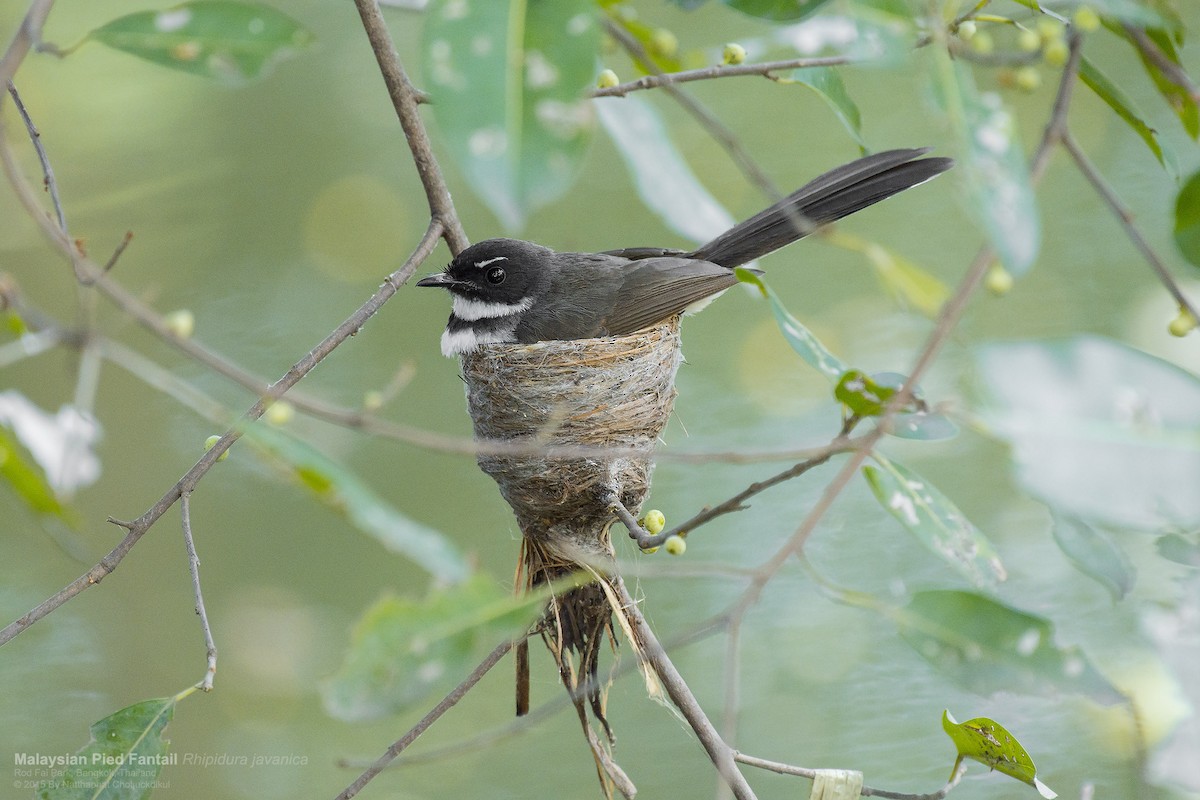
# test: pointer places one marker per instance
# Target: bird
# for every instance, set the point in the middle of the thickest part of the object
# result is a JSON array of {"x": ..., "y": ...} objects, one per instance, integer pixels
[{"x": 513, "y": 291}]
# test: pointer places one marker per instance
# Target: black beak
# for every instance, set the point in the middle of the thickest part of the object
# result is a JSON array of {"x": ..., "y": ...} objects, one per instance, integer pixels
[{"x": 438, "y": 279}]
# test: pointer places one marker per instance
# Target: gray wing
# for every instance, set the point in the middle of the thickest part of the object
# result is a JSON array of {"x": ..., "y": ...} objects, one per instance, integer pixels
[{"x": 657, "y": 288}]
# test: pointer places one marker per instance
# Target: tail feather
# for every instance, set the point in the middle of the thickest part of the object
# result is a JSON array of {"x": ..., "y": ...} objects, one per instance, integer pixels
[{"x": 836, "y": 194}]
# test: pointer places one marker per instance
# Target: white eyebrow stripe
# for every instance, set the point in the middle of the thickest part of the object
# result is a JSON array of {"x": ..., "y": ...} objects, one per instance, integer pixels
[
  {"x": 470, "y": 310},
  {"x": 482, "y": 264}
]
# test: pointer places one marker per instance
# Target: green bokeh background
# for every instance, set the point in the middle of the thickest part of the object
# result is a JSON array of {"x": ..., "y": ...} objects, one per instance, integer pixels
[{"x": 273, "y": 210}]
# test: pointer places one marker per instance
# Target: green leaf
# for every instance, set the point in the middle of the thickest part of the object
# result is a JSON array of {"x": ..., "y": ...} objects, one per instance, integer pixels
[
  {"x": 989, "y": 743},
  {"x": 346, "y": 493},
  {"x": 863, "y": 396},
  {"x": 1187, "y": 220},
  {"x": 776, "y": 9},
  {"x": 1099, "y": 430},
  {"x": 401, "y": 649},
  {"x": 663, "y": 178},
  {"x": 990, "y": 647},
  {"x": 935, "y": 521},
  {"x": 228, "y": 41},
  {"x": 508, "y": 80},
  {"x": 799, "y": 337},
  {"x": 29, "y": 483},
  {"x": 827, "y": 83},
  {"x": 993, "y": 165},
  {"x": 1119, "y": 102},
  {"x": 915, "y": 422},
  {"x": 1178, "y": 98},
  {"x": 910, "y": 284},
  {"x": 1095, "y": 554},
  {"x": 124, "y": 758},
  {"x": 1180, "y": 549},
  {"x": 871, "y": 37}
]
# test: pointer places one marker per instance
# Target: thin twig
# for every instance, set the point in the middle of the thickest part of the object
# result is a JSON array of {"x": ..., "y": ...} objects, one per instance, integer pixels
[
  {"x": 35, "y": 137},
  {"x": 26, "y": 38},
  {"x": 1125, "y": 217},
  {"x": 138, "y": 528},
  {"x": 210, "y": 647},
  {"x": 764, "y": 69},
  {"x": 725, "y": 137},
  {"x": 867, "y": 791},
  {"x": 681, "y": 695},
  {"x": 406, "y": 103},
  {"x": 1154, "y": 54},
  {"x": 448, "y": 702}
]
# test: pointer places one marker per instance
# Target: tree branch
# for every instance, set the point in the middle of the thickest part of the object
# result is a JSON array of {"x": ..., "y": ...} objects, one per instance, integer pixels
[
  {"x": 681, "y": 695},
  {"x": 405, "y": 100},
  {"x": 448, "y": 702},
  {"x": 765, "y": 69}
]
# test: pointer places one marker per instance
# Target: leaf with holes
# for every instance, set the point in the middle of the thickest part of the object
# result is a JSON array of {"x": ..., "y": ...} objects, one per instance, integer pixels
[
  {"x": 228, "y": 41},
  {"x": 988, "y": 647},
  {"x": 799, "y": 337},
  {"x": 988, "y": 742},
  {"x": 508, "y": 82},
  {"x": 935, "y": 521}
]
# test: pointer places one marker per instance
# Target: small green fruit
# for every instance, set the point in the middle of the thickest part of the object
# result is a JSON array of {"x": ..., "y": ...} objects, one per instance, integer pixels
[
  {"x": 181, "y": 322},
  {"x": 280, "y": 412},
  {"x": 1056, "y": 52},
  {"x": 983, "y": 43},
  {"x": 607, "y": 79},
  {"x": 1027, "y": 79},
  {"x": 967, "y": 30},
  {"x": 998, "y": 281},
  {"x": 655, "y": 521},
  {"x": 212, "y": 440},
  {"x": 649, "y": 550},
  {"x": 1183, "y": 324},
  {"x": 1028, "y": 40},
  {"x": 1050, "y": 29},
  {"x": 734, "y": 53},
  {"x": 676, "y": 545},
  {"x": 372, "y": 400},
  {"x": 664, "y": 43},
  {"x": 1086, "y": 19}
]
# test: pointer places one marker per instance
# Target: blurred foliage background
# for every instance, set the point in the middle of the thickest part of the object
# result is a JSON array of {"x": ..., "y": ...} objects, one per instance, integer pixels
[{"x": 272, "y": 208}]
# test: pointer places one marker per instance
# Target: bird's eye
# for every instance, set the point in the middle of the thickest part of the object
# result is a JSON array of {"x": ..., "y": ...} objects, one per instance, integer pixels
[{"x": 496, "y": 276}]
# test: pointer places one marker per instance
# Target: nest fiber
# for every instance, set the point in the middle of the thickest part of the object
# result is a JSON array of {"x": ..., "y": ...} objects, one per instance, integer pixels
[{"x": 607, "y": 393}]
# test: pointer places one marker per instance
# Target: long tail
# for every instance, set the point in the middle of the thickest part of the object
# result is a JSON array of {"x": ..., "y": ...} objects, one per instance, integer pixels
[{"x": 836, "y": 194}]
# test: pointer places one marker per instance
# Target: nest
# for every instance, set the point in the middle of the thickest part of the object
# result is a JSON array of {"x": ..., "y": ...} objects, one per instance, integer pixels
[{"x": 613, "y": 393}]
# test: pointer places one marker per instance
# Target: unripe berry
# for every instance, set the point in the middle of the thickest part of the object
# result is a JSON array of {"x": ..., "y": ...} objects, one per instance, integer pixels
[
  {"x": 1027, "y": 79},
  {"x": 998, "y": 281},
  {"x": 664, "y": 43},
  {"x": 1028, "y": 40},
  {"x": 1056, "y": 52},
  {"x": 607, "y": 79},
  {"x": 372, "y": 400},
  {"x": 1183, "y": 324},
  {"x": 676, "y": 545},
  {"x": 734, "y": 53},
  {"x": 966, "y": 30},
  {"x": 212, "y": 440},
  {"x": 983, "y": 43},
  {"x": 280, "y": 412},
  {"x": 181, "y": 322},
  {"x": 655, "y": 521},
  {"x": 1086, "y": 19}
]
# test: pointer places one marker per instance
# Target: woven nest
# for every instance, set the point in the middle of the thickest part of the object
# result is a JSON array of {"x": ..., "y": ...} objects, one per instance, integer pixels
[{"x": 611, "y": 393}]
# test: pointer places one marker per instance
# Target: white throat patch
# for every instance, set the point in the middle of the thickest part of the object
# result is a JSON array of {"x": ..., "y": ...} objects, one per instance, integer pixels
[
  {"x": 455, "y": 343},
  {"x": 470, "y": 310}
]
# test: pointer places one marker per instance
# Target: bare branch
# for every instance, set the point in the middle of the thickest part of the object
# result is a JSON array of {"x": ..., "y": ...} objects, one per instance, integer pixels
[
  {"x": 210, "y": 647},
  {"x": 1125, "y": 217},
  {"x": 27, "y": 37},
  {"x": 1154, "y": 54},
  {"x": 867, "y": 791},
  {"x": 405, "y": 100},
  {"x": 765, "y": 69},
  {"x": 681, "y": 695}
]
